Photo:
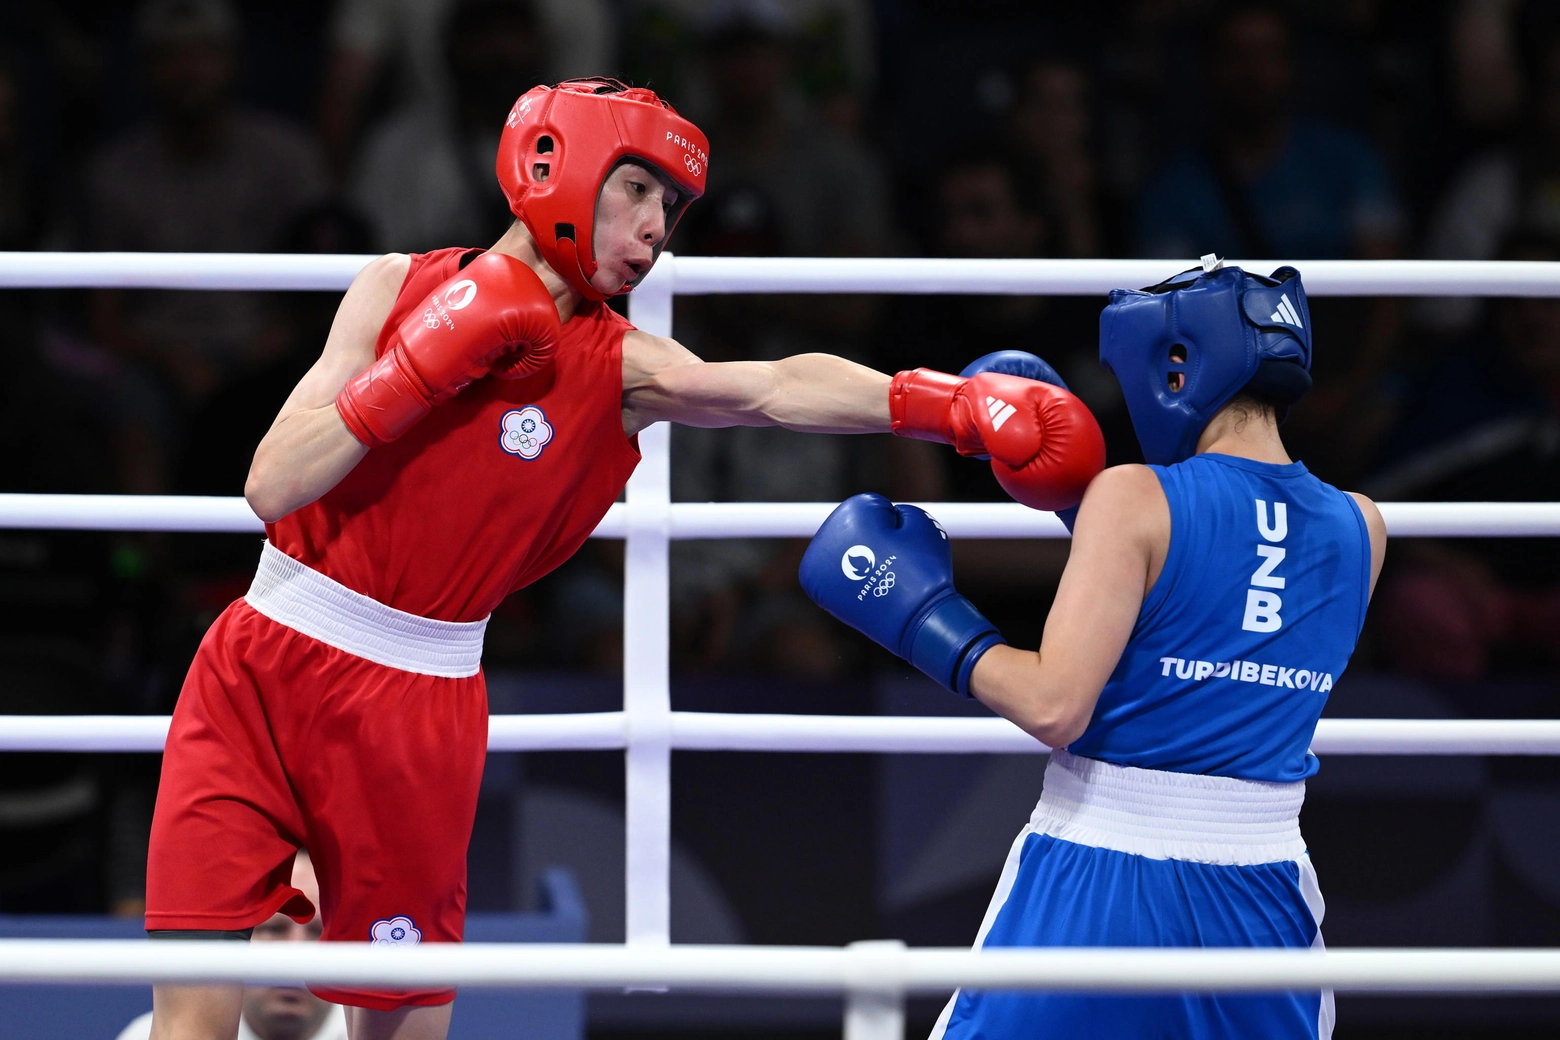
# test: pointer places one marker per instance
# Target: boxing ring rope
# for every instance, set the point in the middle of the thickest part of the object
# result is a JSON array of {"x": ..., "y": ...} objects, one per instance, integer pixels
[
  {"x": 875, "y": 976},
  {"x": 704, "y": 275},
  {"x": 865, "y": 967},
  {"x": 690, "y": 520},
  {"x": 853, "y": 734}
]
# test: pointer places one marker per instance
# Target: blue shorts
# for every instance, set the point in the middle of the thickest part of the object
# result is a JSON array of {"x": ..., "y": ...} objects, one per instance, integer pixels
[{"x": 1116, "y": 856}]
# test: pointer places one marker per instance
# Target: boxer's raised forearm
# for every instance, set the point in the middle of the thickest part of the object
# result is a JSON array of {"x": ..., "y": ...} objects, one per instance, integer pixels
[
  {"x": 305, "y": 454},
  {"x": 309, "y": 448},
  {"x": 1012, "y": 683}
]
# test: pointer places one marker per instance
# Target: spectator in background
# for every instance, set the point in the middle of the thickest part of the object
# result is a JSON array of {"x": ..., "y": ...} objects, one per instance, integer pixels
[
  {"x": 1515, "y": 184},
  {"x": 1266, "y": 183},
  {"x": 831, "y": 42},
  {"x": 425, "y": 176},
  {"x": 397, "y": 48},
  {"x": 1050, "y": 127},
  {"x": 279, "y": 1012},
  {"x": 784, "y": 183},
  {"x": 202, "y": 174},
  {"x": 825, "y": 186},
  {"x": 1483, "y": 426}
]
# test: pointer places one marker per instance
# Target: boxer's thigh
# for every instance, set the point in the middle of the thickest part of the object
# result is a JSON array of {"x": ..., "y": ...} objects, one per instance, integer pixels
[
  {"x": 227, "y": 824},
  {"x": 389, "y": 774},
  {"x": 1065, "y": 894},
  {"x": 1252, "y": 906}
]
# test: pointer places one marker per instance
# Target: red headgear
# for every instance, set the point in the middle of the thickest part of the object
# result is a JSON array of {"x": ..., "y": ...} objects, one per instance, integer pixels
[{"x": 559, "y": 145}]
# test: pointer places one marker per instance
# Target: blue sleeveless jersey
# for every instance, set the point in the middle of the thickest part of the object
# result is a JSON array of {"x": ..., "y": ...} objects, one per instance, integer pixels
[{"x": 1250, "y": 623}]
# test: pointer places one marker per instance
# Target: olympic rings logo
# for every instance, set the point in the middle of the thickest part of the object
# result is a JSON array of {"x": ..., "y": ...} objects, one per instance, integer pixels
[
  {"x": 430, "y": 318},
  {"x": 882, "y": 588},
  {"x": 694, "y": 166}
]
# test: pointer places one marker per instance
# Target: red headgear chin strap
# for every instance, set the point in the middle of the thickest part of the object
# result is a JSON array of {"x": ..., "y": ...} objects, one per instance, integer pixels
[{"x": 560, "y": 143}]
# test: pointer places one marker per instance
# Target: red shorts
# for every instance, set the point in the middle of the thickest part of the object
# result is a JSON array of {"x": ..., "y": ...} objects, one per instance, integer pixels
[{"x": 281, "y": 742}]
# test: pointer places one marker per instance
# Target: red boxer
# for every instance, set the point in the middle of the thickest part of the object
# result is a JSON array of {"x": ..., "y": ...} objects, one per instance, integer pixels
[{"x": 471, "y": 419}]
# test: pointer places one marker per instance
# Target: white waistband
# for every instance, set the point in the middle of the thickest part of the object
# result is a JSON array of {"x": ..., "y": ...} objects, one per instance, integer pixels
[
  {"x": 1163, "y": 815},
  {"x": 303, "y": 599}
]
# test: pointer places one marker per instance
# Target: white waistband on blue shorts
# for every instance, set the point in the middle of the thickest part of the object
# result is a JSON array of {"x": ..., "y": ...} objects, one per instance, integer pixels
[
  {"x": 294, "y": 594},
  {"x": 1164, "y": 815}
]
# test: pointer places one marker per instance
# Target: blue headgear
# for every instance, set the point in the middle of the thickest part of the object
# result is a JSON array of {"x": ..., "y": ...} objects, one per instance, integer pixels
[{"x": 1224, "y": 331}]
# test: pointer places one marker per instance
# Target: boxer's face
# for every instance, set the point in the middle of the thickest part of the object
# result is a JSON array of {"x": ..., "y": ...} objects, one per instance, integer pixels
[
  {"x": 288, "y": 1010},
  {"x": 631, "y": 217}
]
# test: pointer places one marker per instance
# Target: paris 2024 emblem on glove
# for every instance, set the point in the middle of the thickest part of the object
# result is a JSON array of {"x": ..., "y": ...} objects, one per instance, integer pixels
[{"x": 887, "y": 571}]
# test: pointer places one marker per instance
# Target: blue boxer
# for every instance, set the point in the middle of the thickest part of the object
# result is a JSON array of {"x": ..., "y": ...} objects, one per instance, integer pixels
[{"x": 1210, "y": 602}]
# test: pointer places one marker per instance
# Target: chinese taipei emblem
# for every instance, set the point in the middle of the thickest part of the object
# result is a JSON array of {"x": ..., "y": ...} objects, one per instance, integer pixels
[{"x": 524, "y": 432}]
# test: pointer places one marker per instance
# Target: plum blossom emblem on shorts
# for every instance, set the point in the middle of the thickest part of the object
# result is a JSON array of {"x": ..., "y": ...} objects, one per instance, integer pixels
[
  {"x": 394, "y": 931},
  {"x": 525, "y": 432}
]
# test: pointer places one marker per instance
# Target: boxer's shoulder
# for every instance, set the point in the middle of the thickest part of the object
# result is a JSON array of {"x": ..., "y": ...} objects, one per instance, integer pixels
[
  {"x": 645, "y": 357},
  {"x": 387, "y": 272},
  {"x": 1129, "y": 496},
  {"x": 1376, "y": 527}
]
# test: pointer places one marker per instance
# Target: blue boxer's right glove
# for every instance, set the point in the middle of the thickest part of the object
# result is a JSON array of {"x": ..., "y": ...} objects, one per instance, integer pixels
[{"x": 887, "y": 571}]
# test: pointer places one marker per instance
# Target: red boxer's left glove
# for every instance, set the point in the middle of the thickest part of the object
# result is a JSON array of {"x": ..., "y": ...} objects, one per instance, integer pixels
[
  {"x": 494, "y": 313},
  {"x": 1044, "y": 443}
]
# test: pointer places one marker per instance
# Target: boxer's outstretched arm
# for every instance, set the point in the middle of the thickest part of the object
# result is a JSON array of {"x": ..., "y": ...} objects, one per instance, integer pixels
[
  {"x": 1118, "y": 548},
  {"x": 308, "y": 449},
  {"x": 812, "y": 393}
]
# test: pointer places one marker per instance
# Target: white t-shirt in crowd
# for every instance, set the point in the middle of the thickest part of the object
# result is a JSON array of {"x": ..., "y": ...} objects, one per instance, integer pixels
[{"x": 333, "y": 1028}]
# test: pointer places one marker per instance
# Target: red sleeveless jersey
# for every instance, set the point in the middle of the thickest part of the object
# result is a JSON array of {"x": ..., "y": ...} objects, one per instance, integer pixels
[{"x": 492, "y": 490}]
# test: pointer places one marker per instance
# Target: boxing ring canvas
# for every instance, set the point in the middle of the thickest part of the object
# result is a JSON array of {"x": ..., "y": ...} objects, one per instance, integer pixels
[{"x": 874, "y": 975}]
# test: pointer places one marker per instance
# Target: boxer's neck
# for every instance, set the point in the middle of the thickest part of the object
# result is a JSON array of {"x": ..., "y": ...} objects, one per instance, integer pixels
[
  {"x": 1245, "y": 431},
  {"x": 518, "y": 243}
]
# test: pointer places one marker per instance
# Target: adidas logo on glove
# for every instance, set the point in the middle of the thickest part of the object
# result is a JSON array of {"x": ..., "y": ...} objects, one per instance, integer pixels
[{"x": 1000, "y": 411}]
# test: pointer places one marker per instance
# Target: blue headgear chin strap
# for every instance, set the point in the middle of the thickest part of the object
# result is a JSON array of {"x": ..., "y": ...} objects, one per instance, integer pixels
[{"x": 1223, "y": 330}]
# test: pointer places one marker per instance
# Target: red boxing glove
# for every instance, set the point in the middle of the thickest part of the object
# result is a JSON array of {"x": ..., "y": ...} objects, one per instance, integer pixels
[
  {"x": 1044, "y": 443},
  {"x": 493, "y": 314}
]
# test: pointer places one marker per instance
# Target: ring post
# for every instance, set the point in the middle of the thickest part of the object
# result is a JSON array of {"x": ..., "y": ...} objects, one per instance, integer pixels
[
  {"x": 875, "y": 993},
  {"x": 647, "y": 702}
]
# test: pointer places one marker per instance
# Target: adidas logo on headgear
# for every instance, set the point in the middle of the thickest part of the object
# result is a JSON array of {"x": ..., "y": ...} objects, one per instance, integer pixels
[{"x": 1286, "y": 313}]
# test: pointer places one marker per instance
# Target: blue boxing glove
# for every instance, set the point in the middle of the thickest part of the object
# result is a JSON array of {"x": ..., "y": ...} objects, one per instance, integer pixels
[
  {"x": 1014, "y": 363},
  {"x": 886, "y": 570},
  {"x": 1027, "y": 365}
]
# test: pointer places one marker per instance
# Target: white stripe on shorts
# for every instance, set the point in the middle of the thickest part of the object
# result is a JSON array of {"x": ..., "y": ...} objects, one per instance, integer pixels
[{"x": 294, "y": 594}]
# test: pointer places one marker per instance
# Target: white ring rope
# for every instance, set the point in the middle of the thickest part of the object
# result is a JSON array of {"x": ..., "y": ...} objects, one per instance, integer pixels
[
  {"x": 694, "y": 275},
  {"x": 865, "y": 734},
  {"x": 688, "y": 520},
  {"x": 880, "y": 967}
]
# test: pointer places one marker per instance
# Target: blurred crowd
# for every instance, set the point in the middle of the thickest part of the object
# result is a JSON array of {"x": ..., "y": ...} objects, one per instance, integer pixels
[{"x": 1126, "y": 128}]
